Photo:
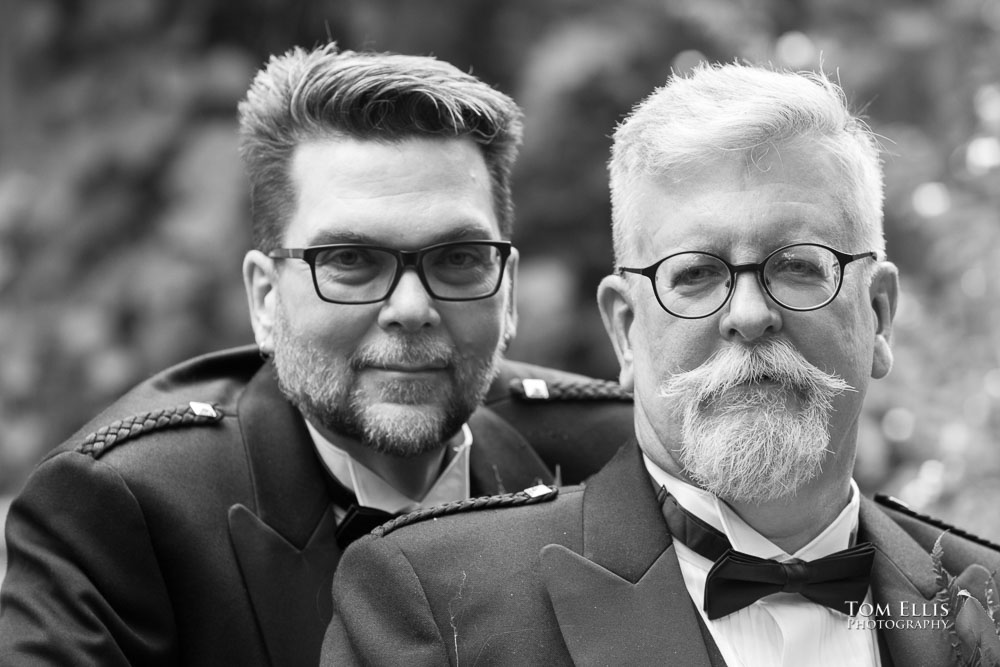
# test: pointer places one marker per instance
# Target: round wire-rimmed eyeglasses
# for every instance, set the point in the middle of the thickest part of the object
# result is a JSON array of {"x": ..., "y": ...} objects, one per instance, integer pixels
[
  {"x": 799, "y": 277},
  {"x": 358, "y": 273}
]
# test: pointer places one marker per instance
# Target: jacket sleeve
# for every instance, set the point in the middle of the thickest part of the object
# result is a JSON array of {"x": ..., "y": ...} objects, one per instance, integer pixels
[
  {"x": 381, "y": 615},
  {"x": 83, "y": 585}
]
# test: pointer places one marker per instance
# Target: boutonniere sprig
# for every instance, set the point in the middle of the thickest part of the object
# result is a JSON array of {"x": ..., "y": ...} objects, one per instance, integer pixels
[{"x": 970, "y": 606}]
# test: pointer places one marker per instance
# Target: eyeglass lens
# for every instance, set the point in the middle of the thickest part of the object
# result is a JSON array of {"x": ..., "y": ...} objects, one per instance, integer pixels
[
  {"x": 362, "y": 273},
  {"x": 695, "y": 284}
]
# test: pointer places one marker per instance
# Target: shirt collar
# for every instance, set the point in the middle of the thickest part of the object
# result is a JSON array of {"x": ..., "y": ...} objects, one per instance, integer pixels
[
  {"x": 709, "y": 508},
  {"x": 372, "y": 491}
]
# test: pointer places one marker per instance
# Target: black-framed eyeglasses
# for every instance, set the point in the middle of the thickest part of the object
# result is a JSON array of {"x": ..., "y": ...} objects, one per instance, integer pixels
[
  {"x": 355, "y": 273},
  {"x": 799, "y": 277}
]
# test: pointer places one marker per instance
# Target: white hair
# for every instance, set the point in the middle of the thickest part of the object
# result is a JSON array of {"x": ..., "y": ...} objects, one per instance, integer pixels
[{"x": 733, "y": 109}]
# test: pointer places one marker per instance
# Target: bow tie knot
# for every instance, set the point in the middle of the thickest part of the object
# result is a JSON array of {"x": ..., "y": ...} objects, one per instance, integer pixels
[{"x": 796, "y": 575}]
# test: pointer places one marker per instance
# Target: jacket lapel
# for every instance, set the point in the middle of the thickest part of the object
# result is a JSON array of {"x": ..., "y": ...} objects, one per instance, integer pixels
[
  {"x": 284, "y": 542},
  {"x": 501, "y": 460},
  {"x": 903, "y": 580},
  {"x": 623, "y": 601}
]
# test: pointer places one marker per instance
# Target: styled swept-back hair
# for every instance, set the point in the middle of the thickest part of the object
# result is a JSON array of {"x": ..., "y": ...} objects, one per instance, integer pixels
[
  {"x": 736, "y": 110},
  {"x": 325, "y": 93}
]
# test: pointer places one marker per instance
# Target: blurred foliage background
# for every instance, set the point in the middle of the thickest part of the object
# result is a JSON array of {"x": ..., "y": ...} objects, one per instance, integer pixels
[{"x": 123, "y": 209}]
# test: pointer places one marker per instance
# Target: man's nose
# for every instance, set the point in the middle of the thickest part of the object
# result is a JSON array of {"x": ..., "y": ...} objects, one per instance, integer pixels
[
  {"x": 410, "y": 306},
  {"x": 750, "y": 313}
]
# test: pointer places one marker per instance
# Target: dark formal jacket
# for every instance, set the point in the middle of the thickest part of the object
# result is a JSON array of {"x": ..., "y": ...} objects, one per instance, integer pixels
[
  {"x": 590, "y": 577},
  {"x": 192, "y": 523}
]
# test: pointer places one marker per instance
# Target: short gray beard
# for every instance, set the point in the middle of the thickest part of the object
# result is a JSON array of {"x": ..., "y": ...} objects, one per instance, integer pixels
[
  {"x": 739, "y": 440},
  {"x": 325, "y": 389}
]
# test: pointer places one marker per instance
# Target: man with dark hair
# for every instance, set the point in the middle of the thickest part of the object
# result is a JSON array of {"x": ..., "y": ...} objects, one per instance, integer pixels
[
  {"x": 198, "y": 520},
  {"x": 751, "y": 306}
]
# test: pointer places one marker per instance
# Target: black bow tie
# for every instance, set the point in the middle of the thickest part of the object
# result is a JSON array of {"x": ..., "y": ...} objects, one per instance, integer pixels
[
  {"x": 358, "y": 520},
  {"x": 737, "y": 580}
]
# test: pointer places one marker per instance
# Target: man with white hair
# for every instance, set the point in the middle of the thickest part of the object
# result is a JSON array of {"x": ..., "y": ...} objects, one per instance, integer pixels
[{"x": 751, "y": 305}]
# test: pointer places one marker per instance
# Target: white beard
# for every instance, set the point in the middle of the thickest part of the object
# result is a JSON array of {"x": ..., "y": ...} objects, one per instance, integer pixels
[{"x": 754, "y": 421}]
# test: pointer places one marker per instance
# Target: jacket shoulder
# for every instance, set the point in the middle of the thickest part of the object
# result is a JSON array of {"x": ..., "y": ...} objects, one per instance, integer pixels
[
  {"x": 958, "y": 543},
  {"x": 198, "y": 392}
]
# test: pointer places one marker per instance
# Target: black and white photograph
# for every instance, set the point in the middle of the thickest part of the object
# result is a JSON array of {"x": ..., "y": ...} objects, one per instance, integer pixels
[{"x": 500, "y": 332}]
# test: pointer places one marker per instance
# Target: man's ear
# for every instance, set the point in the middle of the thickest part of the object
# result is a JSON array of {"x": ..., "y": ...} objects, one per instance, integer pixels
[
  {"x": 259, "y": 278},
  {"x": 615, "y": 303},
  {"x": 884, "y": 294},
  {"x": 510, "y": 317}
]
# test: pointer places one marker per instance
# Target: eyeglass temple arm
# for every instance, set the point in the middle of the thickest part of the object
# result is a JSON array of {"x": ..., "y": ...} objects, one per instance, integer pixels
[
  {"x": 649, "y": 271},
  {"x": 846, "y": 258},
  {"x": 287, "y": 253}
]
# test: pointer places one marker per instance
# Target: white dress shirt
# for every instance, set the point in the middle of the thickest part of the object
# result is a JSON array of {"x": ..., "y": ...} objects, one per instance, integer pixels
[
  {"x": 372, "y": 491},
  {"x": 784, "y": 629}
]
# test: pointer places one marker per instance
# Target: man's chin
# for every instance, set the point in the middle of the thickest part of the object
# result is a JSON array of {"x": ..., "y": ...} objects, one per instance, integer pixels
[
  {"x": 400, "y": 412},
  {"x": 405, "y": 391},
  {"x": 405, "y": 429},
  {"x": 755, "y": 459}
]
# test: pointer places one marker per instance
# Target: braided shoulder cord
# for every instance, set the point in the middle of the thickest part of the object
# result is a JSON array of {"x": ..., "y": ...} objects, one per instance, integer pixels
[
  {"x": 569, "y": 390},
  {"x": 534, "y": 495},
  {"x": 190, "y": 414}
]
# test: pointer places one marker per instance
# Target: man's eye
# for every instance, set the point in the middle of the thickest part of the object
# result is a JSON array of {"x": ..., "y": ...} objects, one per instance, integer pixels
[
  {"x": 695, "y": 275},
  {"x": 345, "y": 258},
  {"x": 798, "y": 267},
  {"x": 461, "y": 258}
]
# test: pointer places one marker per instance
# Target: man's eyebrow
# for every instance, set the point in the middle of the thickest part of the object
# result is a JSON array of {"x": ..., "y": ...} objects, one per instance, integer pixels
[
  {"x": 464, "y": 233},
  {"x": 326, "y": 237}
]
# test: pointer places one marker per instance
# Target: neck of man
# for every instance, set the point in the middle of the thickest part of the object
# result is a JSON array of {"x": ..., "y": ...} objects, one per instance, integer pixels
[
  {"x": 793, "y": 522},
  {"x": 413, "y": 476}
]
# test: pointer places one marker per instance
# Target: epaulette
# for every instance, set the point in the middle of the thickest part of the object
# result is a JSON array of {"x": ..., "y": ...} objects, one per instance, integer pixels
[
  {"x": 190, "y": 414},
  {"x": 903, "y": 508},
  {"x": 535, "y": 389},
  {"x": 530, "y": 496}
]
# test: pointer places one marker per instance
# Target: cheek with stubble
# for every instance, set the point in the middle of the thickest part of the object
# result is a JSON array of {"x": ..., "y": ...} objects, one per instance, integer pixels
[{"x": 661, "y": 352}]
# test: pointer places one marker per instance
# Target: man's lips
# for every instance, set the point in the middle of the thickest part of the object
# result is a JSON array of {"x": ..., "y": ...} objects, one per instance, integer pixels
[
  {"x": 409, "y": 368},
  {"x": 758, "y": 384}
]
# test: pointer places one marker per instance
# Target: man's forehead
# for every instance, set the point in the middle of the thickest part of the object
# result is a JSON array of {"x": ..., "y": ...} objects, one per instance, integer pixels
[
  {"x": 719, "y": 208},
  {"x": 803, "y": 161},
  {"x": 355, "y": 157},
  {"x": 400, "y": 194}
]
